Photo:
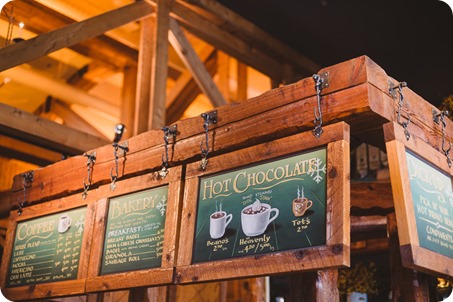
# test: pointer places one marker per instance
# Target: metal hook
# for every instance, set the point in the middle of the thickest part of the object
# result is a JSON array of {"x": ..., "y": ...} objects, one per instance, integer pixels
[
  {"x": 399, "y": 90},
  {"x": 169, "y": 132},
  {"x": 436, "y": 119},
  {"x": 91, "y": 159},
  {"x": 26, "y": 179},
  {"x": 209, "y": 119},
  {"x": 119, "y": 130},
  {"x": 321, "y": 81}
]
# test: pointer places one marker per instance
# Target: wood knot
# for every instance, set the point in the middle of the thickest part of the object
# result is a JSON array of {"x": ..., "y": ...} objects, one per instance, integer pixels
[
  {"x": 178, "y": 278},
  {"x": 337, "y": 249},
  {"x": 333, "y": 172},
  {"x": 195, "y": 278},
  {"x": 299, "y": 254},
  {"x": 168, "y": 257}
]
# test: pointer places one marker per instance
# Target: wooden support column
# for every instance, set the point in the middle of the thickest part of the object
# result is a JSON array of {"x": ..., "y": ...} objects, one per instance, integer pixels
[
  {"x": 406, "y": 284},
  {"x": 188, "y": 55},
  {"x": 223, "y": 73},
  {"x": 242, "y": 79},
  {"x": 128, "y": 99},
  {"x": 315, "y": 286}
]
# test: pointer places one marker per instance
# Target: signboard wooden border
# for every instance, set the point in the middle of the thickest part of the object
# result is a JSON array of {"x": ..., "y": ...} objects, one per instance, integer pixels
[
  {"x": 335, "y": 253},
  {"x": 146, "y": 277},
  {"x": 414, "y": 256},
  {"x": 51, "y": 289}
]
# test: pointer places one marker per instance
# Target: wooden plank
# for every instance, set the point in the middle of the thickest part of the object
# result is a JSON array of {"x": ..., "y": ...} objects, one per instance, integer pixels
[
  {"x": 128, "y": 99},
  {"x": 104, "y": 50},
  {"x": 45, "y": 43},
  {"x": 239, "y": 26},
  {"x": 368, "y": 195},
  {"x": 32, "y": 129},
  {"x": 194, "y": 64}
]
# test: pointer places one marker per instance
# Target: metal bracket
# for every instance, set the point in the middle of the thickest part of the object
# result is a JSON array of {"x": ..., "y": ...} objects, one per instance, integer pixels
[
  {"x": 325, "y": 79},
  {"x": 436, "y": 116},
  {"x": 392, "y": 90},
  {"x": 123, "y": 148},
  {"x": 27, "y": 178},
  {"x": 210, "y": 118},
  {"x": 169, "y": 133},
  {"x": 91, "y": 160}
]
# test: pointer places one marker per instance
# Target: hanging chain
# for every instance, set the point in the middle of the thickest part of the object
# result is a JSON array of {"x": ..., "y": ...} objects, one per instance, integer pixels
[
  {"x": 446, "y": 151},
  {"x": 321, "y": 81},
  {"x": 27, "y": 178},
  {"x": 169, "y": 132},
  {"x": 91, "y": 159},
  {"x": 404, "y": 124},
  {"x": 114, "y": 176},
  {"x": 209, "y": 119}
]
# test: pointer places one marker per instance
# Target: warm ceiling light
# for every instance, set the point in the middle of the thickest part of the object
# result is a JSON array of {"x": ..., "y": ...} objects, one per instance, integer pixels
[{"x": 2, "y": 3}]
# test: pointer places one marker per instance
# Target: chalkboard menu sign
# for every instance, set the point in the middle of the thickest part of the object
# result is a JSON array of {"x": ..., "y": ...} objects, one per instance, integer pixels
[
  {"x": 423, "y": 198},
  {"x": 276, "y": 207},
  {"x": 432, "y": 196},
  {"x": 136, "y": 227},
  {"x": 47, "y": 249},
  {"x": 135, "y": 231},
  {"x": 270, "y": 207}
]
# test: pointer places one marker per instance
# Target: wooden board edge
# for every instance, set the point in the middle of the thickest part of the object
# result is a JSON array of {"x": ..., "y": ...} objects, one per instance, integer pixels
[{"x": 414, "y": 256}]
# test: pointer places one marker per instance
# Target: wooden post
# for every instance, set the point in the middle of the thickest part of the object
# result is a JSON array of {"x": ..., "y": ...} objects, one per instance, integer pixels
[
  {"x": 242, "y": 82},
  {"x": 142, "y": 97},
  {"x": 406, "y": 284},
  {"x": 315, "y": 286},
  {"x": 223, "y": 72},
  {"x": 128, "y": 99},
  {"x": 251, "y": 289}
]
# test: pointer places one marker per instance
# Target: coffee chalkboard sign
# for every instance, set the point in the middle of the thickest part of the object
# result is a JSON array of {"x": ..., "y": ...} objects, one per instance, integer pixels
[
  {"x": 265, "y": 208},
  {"x": 135, "y": 231},
  {"x": 47, "y": 249},
  {"x": 432, "y": 196}
]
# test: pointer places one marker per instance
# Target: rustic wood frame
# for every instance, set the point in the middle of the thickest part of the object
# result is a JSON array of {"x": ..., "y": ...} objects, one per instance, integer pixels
[
  {"x": 413, "y": 255},
  {"x": 146, "y": 277},
  {"x": 335, "y": 253},
  {"x": 51, "y": 289}
]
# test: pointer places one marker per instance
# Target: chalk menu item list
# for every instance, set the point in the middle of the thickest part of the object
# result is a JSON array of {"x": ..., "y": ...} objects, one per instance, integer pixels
[
  {"x": 47, "y": 249},
  {"x": 264, "y": 208},
  {"x": 432, "y": 197},
  {"x": 135, "y": 231}
]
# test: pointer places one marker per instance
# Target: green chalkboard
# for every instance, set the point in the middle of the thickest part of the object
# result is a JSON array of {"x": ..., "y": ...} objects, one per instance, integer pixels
[
  {"x": 47, "y": 249},
  {"x": 135, "y": 231},
  {"x": 432, "y": 197},
  {"x": 264, "y": 208}
]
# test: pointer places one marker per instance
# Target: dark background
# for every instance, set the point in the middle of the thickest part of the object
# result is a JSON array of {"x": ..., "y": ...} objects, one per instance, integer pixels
[{"x": 410, "y": 40}]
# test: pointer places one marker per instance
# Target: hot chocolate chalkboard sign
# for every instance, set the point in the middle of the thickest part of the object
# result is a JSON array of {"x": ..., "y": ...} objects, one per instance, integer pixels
[
  {"x": 265, "y": 208},
  {"x": 47, "y": 249},
  {"x": 281, "y": 206}
]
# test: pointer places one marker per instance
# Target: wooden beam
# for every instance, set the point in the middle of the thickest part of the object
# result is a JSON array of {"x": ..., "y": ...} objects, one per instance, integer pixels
[
  {"x": 13, "y": 148},
  {"x": 159, "y": 68},
  {"x": 239, "y": 26},
  {"x": 72, "y": 119},
  {"x": 143, "y": 91},
  {"x": 30, "y": 128},
  {"x": 223, "y": 74},
  {"x": 242, "y": 82},
  {"x": 45, "y": 43},
  {"x": 229, "y": 43},
  {"x": 194, "y": 64},
  {"x": 128, "y": 99},
  {"x": 186, "y": 89}
]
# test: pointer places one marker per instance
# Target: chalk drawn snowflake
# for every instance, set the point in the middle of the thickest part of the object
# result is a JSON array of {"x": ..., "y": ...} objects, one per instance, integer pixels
[
  {"x": 320, "y": 168},
  {"x": 162, "y": 205},
  {"x": 80, "y": 223}
]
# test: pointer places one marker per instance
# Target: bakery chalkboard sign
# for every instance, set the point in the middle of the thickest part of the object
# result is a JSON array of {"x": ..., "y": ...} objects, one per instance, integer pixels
[
  {"x": 423, "y": 198},
  {"x": 265, "y": 208},
  {"x": 135, "y": 231},
  {"x": 47, "y": 249},
  {"x": 276, "y": 207}
]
